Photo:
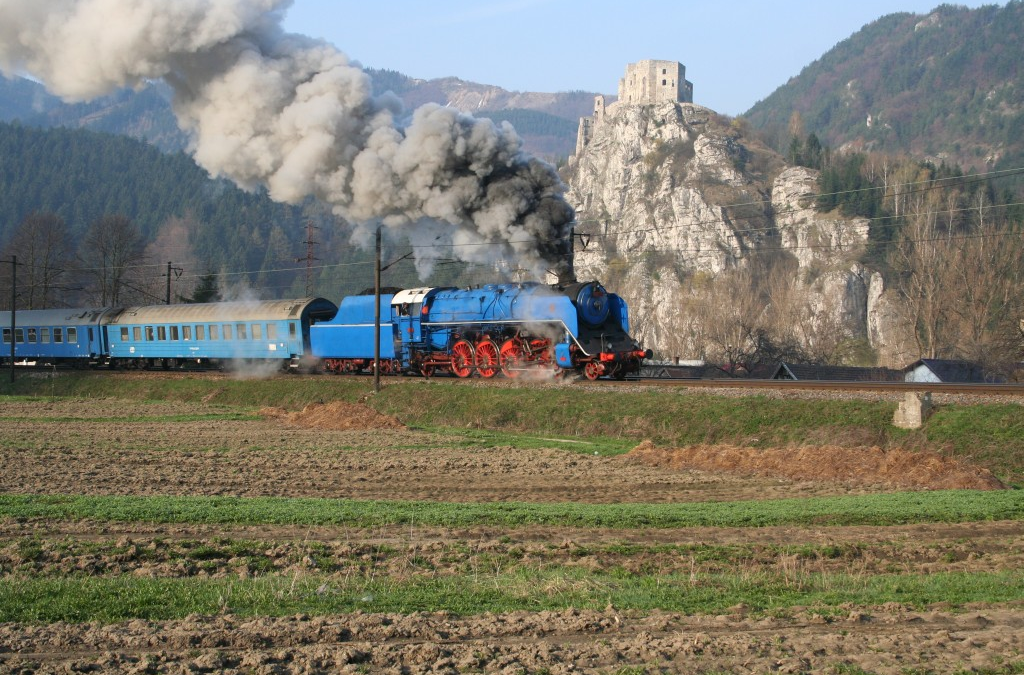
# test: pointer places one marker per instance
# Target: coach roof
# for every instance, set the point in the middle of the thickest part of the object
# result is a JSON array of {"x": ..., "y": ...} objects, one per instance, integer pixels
[{"x": 214, "y": 312}]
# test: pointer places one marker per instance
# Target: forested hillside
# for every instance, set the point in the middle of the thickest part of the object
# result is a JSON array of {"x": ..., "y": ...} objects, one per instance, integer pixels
[
  {"x": 82, "y": 177},
  {"x": 81, "y": 184},
  {"x": 946, "y": 87}
]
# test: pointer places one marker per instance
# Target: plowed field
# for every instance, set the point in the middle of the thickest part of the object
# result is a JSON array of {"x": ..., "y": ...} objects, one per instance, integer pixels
[{"x": 560, "y": 605}]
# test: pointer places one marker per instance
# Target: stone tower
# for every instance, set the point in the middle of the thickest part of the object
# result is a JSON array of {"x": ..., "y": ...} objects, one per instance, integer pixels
[
  {"x": 650, "y": 82},
  {"x": 646, "y": 83}
]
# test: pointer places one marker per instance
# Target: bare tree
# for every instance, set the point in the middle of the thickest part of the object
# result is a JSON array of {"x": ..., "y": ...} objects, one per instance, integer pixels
[
  {"x": 921, "y": 259},
  {"x": 987, "y": 297},
  {"x": 42, "y": 244},
  {"x": 745, "y": 316},
  {"x": 961, "y": 286},
  {"x": 111, "y": 251}
]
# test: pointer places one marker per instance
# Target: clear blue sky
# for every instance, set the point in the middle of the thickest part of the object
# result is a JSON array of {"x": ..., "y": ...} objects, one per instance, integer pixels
[{"x": 735, "y": 53}]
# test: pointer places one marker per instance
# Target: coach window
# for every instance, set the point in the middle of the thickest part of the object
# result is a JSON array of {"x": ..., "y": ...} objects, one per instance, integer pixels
[
  {"x": 32, "y": 335},
  {"x": 240, "y": 331},
  {"x": 149, "y": 333},
  {"x": 213, "y": 332},
  {"x": 174, "y": 332},
  {"x": 227, "y": 331},
  {"x": 73, "y": 336},
  {"x": 292, "y": 330},
  {"x": 200, "y": 332},
  {"x": 186, "y": 332},
  {"x": 19, "y": 335},
  {"x": 137, "y": 333},
  {"x": 44, "y": 335},
  {"x": 271, "y": 331},
  {"x": 124, "y": 333},
  {"x": 257, "y": 331},
  {"x": 58, "y": 335},
  {"x": 161, "y": 333},
  {"x": 7, "y": 336}
]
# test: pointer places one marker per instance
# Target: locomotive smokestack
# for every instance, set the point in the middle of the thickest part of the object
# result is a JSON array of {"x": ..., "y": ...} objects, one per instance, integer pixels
[{"x": 284, "y": 111}]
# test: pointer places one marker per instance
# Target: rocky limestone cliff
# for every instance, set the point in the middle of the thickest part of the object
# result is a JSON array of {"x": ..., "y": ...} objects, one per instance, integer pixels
[{"x": 670, "y": 194}]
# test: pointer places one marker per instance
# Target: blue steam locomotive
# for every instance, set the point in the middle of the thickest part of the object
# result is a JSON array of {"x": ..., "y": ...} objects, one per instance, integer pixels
[{"x": 512, "y": 329}]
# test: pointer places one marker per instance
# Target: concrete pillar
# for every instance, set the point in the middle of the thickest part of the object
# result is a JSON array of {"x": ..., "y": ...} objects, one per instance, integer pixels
[{"x": 912, "y": 412}]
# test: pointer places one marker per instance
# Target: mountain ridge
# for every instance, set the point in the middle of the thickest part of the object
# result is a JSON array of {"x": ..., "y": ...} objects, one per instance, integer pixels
[
  {"x": 545, "y": 121},
  {"x": 945, "y": 87}
]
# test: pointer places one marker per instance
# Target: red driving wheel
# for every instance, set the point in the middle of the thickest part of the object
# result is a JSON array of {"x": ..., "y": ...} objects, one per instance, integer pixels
[
  {"x": 487, "y": 359},
  {"x": 511, "y": 358},
  {"x": 463, "y": 358},
  {"x": 593, "y": 370}
]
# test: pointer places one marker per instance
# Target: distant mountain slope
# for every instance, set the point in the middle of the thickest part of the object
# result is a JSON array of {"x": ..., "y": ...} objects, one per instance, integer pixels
[
  {"x": 948, "y": 86},
  {"x": 546, "y": 122},
  {"x": 144, "y": 115}
]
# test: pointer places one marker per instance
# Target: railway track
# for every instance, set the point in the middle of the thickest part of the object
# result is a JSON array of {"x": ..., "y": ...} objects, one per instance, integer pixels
[
  {"x": 661, "y": 377},
  {"x": 1010, "y": 390}
]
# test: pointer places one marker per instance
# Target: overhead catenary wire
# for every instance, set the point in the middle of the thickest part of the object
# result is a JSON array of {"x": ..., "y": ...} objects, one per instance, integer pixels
[{"x": 914, "y": 188}]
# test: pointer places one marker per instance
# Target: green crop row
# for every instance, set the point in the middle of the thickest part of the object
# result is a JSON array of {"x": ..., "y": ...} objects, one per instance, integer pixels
[
  {"x": 876, "y": 509},
  {"x": 120, "y": 598}
]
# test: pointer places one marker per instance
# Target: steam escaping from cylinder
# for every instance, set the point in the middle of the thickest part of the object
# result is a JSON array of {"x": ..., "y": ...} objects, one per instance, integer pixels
[{"x": 267, "y": 108}]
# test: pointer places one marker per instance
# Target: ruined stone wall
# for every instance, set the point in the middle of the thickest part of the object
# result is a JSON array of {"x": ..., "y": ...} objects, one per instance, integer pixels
[{"x": 650, "y": 82}]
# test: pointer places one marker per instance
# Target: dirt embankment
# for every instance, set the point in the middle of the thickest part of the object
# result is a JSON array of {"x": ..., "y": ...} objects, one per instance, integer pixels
[
  {"x": 849, "y": 466},
  {"x": 334, "y": 416}
]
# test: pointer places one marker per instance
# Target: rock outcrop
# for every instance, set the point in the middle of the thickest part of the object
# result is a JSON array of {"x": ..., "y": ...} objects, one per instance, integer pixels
[{"x": 671, "y": 193}]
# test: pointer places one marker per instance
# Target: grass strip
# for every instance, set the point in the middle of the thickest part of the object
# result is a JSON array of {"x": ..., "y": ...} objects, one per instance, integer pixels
[
  {"x": 122, "y": 598},
  {"x": 882, "y": 509}
]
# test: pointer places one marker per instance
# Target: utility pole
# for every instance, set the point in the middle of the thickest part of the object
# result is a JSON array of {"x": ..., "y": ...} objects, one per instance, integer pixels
[
  {"x": 310, "y": 256},
  {"x": 377, "y": 313},
  {"x": 177, "y": 273},
  {"x": 14, "y": 301}
]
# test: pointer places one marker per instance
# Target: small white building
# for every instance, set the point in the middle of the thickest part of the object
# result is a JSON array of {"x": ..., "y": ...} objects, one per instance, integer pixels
[{"x": 943, "y": 370}]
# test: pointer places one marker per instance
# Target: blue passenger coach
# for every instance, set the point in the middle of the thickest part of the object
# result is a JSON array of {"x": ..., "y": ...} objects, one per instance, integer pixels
[
  {"x": 55, "y": 337},
  {"x": 212, "y": 333}
]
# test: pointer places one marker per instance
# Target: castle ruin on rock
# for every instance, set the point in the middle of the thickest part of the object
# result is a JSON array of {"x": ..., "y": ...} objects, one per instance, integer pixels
[{"x": 646, "y": 83}]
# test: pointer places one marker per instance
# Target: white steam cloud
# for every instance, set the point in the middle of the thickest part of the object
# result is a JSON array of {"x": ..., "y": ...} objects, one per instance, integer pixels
[{"x": 264, "y": 107}]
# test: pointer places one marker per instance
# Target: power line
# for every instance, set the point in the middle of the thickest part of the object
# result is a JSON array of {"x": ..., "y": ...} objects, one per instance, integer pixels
[{"x": 916, "y": 187}]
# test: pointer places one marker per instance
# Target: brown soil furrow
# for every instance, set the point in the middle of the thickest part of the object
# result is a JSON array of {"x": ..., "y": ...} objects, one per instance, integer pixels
[{"x": 594, "y": 639}]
